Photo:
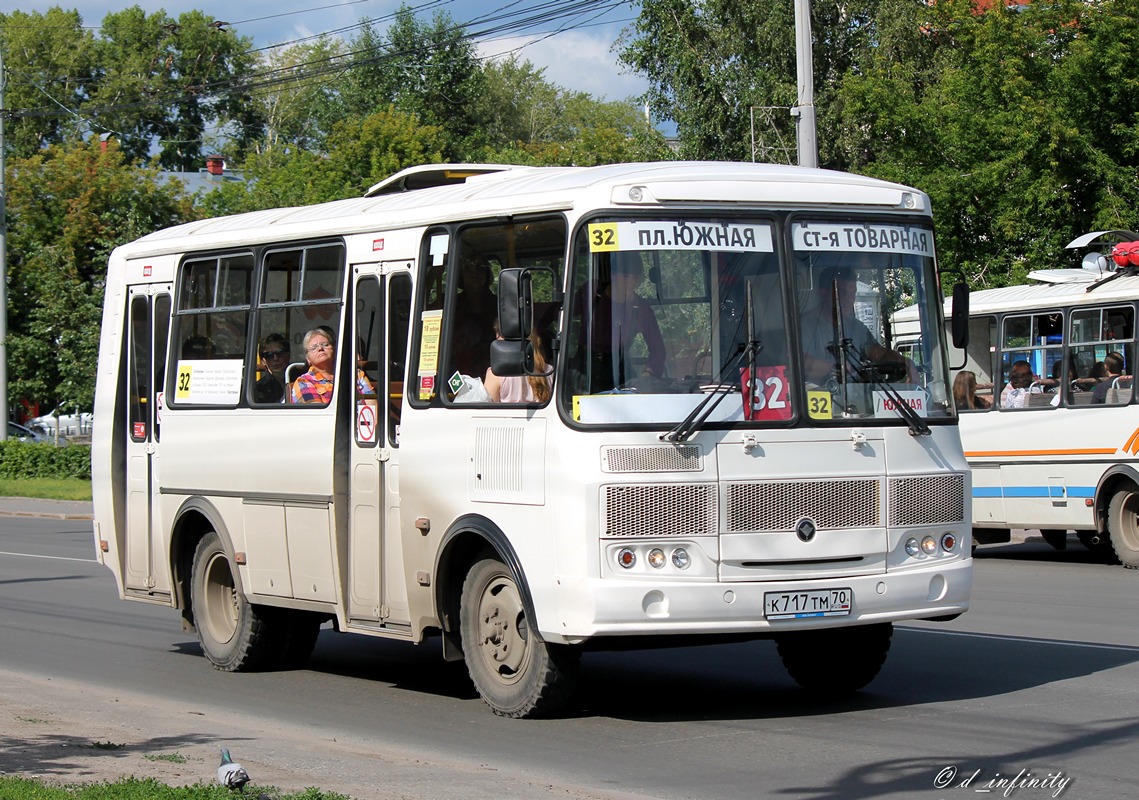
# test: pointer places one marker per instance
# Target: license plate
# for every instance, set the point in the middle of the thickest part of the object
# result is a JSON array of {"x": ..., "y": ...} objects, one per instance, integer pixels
[{"x": 804, "y": 605}]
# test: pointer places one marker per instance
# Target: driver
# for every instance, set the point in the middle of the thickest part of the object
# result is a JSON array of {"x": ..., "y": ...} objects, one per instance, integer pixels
[
  {"x": 616, "y": 317},
  {"x": 820, "y": 322}
]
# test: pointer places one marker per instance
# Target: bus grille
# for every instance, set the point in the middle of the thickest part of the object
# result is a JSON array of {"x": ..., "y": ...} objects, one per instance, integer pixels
[
  {"x": 661, "y": 509},
  {"x": 928, "y": 500},
  {"x": 685, "y": 458},
  {"x": 778, "y": 506}
]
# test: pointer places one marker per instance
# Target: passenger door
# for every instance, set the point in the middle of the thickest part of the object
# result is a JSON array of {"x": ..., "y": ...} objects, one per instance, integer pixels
[
  {"x": 147, "y": 332},
  {"x": 377, "y": 586}
]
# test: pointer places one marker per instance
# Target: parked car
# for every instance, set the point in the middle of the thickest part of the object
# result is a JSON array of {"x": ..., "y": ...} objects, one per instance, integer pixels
[
  {"x": 71, "y": 424},
  {"x": 19, "y": 433}
]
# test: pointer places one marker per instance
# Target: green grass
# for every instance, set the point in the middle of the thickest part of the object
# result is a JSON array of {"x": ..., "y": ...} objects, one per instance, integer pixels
[
  {"x": 134, "y": 789},
  {"x": 46, "y": 488}
]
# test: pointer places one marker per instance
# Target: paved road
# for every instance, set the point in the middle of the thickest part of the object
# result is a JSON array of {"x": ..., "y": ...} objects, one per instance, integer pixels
[{"x": 1039, "y": 681}]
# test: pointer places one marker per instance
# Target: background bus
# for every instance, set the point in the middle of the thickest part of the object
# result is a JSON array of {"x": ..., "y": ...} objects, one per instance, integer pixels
[
  {"x": 1065, "y": 456},
  {"x": 299, "y": 430}
]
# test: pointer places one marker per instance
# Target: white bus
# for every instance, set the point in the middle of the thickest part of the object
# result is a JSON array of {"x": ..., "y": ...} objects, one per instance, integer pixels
[
  {"x": 635, "y": 492},
  {"x": 1064, "y": 457}
]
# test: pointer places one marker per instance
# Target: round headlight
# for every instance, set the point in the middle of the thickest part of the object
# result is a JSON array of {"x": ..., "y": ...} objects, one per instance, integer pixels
[
  {"x": 656, "y": 558},
  {"x": 948, "y": 542},
  {"x": 627, "y": 557},
  {"x": 680, "y": 558},
  {"x": 912, "y": 547},
  {"x": 929, "y": 545}
]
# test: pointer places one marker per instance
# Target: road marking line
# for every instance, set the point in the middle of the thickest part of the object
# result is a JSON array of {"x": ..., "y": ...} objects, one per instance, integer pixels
[
  {"x": 1027, "y": 639},
  {"x": 53, "y": 558}
]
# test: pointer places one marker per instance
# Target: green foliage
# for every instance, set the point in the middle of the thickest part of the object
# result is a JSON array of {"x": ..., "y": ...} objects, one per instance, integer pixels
[
  {"x": 68, "y": 207},
  {"x": 13, "y": 788},
  {"x": 19, "y": 460}
]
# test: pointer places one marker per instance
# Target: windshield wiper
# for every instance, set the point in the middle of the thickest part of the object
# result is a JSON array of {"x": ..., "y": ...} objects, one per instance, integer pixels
[
  {"x": 913, "y": 420},
  {"x": 688, "y": 427}
]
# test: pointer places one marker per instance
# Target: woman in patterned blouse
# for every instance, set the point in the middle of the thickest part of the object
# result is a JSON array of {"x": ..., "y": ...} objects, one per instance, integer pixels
[{"x": 315, "y": 386}]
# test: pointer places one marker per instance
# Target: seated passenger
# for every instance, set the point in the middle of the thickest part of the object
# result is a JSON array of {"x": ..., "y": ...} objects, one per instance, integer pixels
[
  {"x": 270, "y": 387},
  {"x": 965, "y": 392},
  {"x": 1019, "y": 382},
  {"x": 315, "y": 386},
  {"x": 1113, "y": 366},
  {"x": 521, "y": 388}
]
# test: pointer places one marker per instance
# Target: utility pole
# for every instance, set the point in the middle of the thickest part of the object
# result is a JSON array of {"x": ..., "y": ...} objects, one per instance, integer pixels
[
  {"x": 804, "y": 112},
  {"x": 3, "y": 260}
]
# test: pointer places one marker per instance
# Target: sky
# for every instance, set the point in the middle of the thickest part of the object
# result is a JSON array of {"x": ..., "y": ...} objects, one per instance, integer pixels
[{"x": 574, "y": 48}]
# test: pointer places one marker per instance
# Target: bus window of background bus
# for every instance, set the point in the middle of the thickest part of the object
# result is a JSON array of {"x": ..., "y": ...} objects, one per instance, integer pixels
[
  {"x": 978, "y": 358},
  {"x": 1035, "y": 339},
  {"x": 301, "y": 290},
  {"x": 1094, "y": 334},
  {"x": 210, "y": 330}
]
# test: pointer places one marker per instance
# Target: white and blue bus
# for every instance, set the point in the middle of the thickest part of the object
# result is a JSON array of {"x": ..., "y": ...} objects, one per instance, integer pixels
[
  {"x": 312, "y": 415},
  {"x": 1064, "y": 457}
]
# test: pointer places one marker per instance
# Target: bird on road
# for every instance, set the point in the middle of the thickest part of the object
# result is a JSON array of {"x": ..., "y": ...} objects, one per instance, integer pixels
[{"x": 230, "y": 774}]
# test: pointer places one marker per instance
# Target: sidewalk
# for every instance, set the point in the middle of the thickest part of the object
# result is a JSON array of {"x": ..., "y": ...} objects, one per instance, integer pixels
[{"x": 48, "y": 509}]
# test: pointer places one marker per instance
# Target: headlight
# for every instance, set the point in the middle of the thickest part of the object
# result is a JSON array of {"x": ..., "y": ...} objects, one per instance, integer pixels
[
  {"x": 912, "y": 547},
  {"x": 626, "y": 557}
]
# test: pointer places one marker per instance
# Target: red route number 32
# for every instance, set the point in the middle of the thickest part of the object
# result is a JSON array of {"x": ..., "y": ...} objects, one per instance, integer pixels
[{"x": 766, "y": 395}]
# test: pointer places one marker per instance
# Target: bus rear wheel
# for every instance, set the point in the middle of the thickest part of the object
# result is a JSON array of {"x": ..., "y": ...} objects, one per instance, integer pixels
[
  {"x": 515, "y": 672},
  {"x": 835, "y": 661},
  {"x": 235, "y": 635},
  {"x": 1123, "y": 526}
]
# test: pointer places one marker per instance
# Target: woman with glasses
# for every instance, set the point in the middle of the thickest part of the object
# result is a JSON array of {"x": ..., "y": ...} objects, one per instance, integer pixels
[
  {"x": 270, "y": 387},
  {"x": 315, "y": 386}
]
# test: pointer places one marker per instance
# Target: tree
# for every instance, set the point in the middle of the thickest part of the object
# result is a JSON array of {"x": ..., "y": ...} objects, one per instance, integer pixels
[
  {"x": 68, "y": 207},
  {"x": 428, "y": 70},
  {"x": 164, "y": 81},
  {"x": 50, "y": 64}
]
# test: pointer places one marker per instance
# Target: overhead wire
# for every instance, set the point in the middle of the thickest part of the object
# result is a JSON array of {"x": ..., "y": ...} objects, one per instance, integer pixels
[{"x": 505, "y": 20}]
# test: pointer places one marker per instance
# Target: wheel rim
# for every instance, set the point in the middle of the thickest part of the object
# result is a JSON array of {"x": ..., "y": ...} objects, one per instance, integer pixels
[
  {"x": 503, "y": 642},
  {"x": 220, "y": 595},
  {"x": 1127, "y": 523}
]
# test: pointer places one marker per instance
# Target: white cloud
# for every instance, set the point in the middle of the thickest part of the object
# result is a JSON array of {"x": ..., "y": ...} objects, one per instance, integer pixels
[{"x": 577, "y": 60}]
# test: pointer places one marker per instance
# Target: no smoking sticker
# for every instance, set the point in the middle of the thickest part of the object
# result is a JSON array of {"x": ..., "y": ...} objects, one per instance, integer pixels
[{"x": 366, "y": 423}]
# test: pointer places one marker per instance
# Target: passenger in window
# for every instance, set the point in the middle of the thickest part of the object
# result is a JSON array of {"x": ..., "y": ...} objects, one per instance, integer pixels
[
  {"x": 521, "y": 388},
  {"x": 197, "y": 347},
  {"x": 476, "y": 308},
  {"x": 614, "y": 317},
  {"x": 823, "y": 321},
  {"x": 270, "y": 387},
  {"x": 965, "y": 392},
  {"x": 1019, "y": 382},
  {"x": 1113, "y": 365},
  {"x": 315, "y": 386}
]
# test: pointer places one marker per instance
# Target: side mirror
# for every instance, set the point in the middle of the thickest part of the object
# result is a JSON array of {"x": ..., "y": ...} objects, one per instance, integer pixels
[
  {"x": 959, "y": 316},
  {"x": 513, "y": 354},
  {"x": 515, "y": 304}
]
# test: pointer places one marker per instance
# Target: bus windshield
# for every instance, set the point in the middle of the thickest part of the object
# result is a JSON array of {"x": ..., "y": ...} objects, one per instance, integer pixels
[{"x": 753, "y": 321}]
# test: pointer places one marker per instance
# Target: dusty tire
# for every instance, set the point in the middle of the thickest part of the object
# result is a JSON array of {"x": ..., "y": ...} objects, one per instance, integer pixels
[
  {"x": 515, "y": 672},
  {"x": 835, "y": 661},
  {"x": 1123, "y": 527},
  {"x": 235, "y": 635},
  {"x": 1056, "y": 538}
]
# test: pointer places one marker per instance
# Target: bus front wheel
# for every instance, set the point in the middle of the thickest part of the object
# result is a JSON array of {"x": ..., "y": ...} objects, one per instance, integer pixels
[
  {"x": 1123, "y": 526},
  {"x": 835, "y": 661},
  {"x": 515, "y": 672},
  {"x": 235, "y": 635}
]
